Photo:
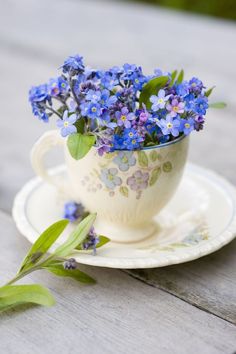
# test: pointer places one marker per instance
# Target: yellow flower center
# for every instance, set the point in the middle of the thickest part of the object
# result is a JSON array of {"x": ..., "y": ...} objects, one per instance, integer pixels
[
  {"x": 123, "y": 118},
  {"x": 124, "y": 159},
  {"x": 110, "y": 177},
  {"x": 169, "y": 125},
  {"x": 133, "y": 141},
  {"x": 131, "y": 134},
  {"x": 94, "y": 109},
  {"x": 175, "y": 108},
  {"x": 66, "y": 124},
  {"x": 160, "y": 100}
]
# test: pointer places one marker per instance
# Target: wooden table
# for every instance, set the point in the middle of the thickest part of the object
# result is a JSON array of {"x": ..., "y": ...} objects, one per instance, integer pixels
[{"x": 188, "y": 308}]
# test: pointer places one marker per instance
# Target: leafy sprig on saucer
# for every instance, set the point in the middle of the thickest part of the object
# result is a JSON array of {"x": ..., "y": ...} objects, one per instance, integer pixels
[{"x": 59, "y": 262}]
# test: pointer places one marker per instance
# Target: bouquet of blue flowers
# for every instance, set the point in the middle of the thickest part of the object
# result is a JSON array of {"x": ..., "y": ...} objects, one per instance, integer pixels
[{"x": 120, "y": 108}]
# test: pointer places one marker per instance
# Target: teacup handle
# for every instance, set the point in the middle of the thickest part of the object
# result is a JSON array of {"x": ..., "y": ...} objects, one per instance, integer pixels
[{"x": 45, "y": 143}]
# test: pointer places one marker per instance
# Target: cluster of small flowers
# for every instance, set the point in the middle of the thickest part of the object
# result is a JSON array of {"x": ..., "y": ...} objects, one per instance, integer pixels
[{"x": 106, "y": 104}]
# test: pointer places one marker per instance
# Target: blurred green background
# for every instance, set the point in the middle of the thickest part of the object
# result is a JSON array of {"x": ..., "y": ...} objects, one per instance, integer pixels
[{"x": 219, "y": 8}]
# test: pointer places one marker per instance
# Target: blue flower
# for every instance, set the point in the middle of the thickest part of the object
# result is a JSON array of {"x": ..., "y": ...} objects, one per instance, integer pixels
[
  {"x": 159, "y": 101},
  {"x": 38, "y": 93},
  {"x": 73, "y": 65},
  {"x": 109, "y": 177},
  {"x": 107, "y": 100},
  {"x": 187, "y": 126},
  {"x": 200, "y": 105},
  {"x": 170, "y": 125},
  {"x": 195, "y": 85},
  {"x": 73, "y": 211},
  {"x": 66, "y": 124},
  {"x": 91, "y": 110},
  {"x": 133, "y": 139},
  {"x": 159, "y": 72},
  {"x": 58, "y": 86},
  {"x": 182, "y": 89},
  {"x": 93, "y": 96},
  {"x": 39, "y": 112},
  {"x": 109, "y": 80},
  {"x": 124, "y": 160},
  {"x": 189, "y": 101},
  {"x": 118, "y": 143}
]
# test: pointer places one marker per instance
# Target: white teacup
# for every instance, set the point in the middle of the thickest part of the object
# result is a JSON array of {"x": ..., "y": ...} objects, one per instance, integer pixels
[{"x": 126, "y": 188}]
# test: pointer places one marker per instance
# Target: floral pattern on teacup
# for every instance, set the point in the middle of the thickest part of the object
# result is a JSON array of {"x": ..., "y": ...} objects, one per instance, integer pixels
[{"x": 126, "y": 172}]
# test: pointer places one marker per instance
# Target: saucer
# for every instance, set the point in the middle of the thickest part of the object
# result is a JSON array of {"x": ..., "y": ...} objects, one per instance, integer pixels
[{"x": 200, "y": 219}]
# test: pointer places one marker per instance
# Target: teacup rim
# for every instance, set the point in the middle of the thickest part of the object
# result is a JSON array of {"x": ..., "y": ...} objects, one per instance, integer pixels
[{"x": 157, "y": 146}]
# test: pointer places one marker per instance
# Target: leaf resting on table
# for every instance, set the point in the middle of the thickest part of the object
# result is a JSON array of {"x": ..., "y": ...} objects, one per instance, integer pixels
[
  {"x": 13, "y": 295},
  {"x": 72, "y": 273}
]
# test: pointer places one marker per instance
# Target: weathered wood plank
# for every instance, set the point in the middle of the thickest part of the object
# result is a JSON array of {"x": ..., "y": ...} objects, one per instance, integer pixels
[
  {"x": 117, "y": 315},
  {"x": 208, "y": 283}
]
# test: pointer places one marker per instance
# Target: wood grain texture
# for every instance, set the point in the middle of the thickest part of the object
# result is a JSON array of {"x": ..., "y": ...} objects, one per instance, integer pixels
[
  {"x": 208, "y": 283},
  {"x": 117, "y": 315}
]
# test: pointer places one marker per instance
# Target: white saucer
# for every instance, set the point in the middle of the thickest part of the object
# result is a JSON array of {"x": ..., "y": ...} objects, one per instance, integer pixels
[{"x": 200, "y": 219}]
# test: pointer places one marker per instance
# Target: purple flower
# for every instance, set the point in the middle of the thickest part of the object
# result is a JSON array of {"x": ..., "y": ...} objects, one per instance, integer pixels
[
  {"x": 138, "y": 181},
  {"x": 124, "y": 117},
  {"x": 73, "y": 211},
  {"x": 73, "y": 65},
  {"x": 170, "y": 125},
  {"x": 70, "y": 264},
  {"x": 187, "y": 126},
  {"x": 91, "y": 241},
  {"x": 198, "y": 123},
  {"x": 66, "y": 124},
  {"x": 175, "y": 107},
  {"x": 58, "y": 86},
  {"x": 159, "y": 101}
]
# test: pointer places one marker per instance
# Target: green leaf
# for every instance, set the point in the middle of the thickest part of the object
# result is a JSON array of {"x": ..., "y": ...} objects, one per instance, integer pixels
[
  {"x": 79, "y": 145},
  {"x": 151, "y": 88},
  {"x": 180, "y": 77},
  {"x": 13, "y": 295},
  {"x": 102, "y": 241},
  {"x": 167, "y": 166},
  {"x": 208, "y": 92},
  {"x": 153, "y": 156},
  {"x": 173, "y": 76},
  {"x": 76, "y": 237},
  {"x": 124, "y": 191},
  {"x": 142, "y": 159},
  {"x": 43, "y": 243},
  {"x": 218, "y": 105},
  {"x": 80, "y": 123},
  {"x": 154, "y": 175},
  {"x": 76, "y": 274}
]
